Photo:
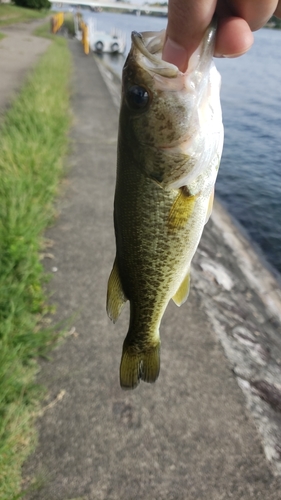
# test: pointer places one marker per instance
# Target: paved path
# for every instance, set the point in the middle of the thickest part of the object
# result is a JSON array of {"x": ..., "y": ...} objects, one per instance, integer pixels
[
  {"x": 19, "y": 51},
  {"x": 189, "y": 436}
]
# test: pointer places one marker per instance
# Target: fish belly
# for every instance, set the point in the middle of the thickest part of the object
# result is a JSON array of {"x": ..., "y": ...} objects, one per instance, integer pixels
[{"x": 157, "y": 233}]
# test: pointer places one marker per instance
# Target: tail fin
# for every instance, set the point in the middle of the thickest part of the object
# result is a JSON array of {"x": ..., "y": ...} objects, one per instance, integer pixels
[{"x": 139, "y": 365}]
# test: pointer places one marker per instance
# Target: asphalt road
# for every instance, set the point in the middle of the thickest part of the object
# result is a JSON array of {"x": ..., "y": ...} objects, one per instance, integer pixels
[{"x": 191, "y": 435}]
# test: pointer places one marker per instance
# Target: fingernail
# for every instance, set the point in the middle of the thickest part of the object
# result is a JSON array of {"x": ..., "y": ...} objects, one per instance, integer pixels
[
  {"x": 175, "y": 54},
  {"x": 231, "y": 56}
]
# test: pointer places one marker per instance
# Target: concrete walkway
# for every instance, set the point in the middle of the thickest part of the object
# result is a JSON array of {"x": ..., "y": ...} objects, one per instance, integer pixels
[
  {"x": 19, "y": 51},
  {"x": 190, "y": 436}
]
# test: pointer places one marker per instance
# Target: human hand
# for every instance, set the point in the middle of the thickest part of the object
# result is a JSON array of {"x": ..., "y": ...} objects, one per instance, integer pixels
[{"x": 188, "y": 20}]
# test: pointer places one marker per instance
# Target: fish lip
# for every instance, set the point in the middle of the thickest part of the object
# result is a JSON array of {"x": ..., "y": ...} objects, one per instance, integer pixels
[
  {"x": 148, "y": 45},
  {"x": 141, "y": 42}
]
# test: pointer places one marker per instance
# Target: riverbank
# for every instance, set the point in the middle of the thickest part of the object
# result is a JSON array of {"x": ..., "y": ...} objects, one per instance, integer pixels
[{"x": 190, "y": 435}]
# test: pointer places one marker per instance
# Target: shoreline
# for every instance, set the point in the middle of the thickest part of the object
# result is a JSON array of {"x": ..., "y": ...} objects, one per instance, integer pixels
[
  {"x": 245, "y": 235},
  {"x": 268, "y": 285}
]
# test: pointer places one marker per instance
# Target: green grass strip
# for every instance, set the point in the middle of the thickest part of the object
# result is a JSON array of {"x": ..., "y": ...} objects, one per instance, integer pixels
[
  {"x": 69, "y": 23},
  {"x": 33, "y": 144},
  {"x": 11, "y": 14}
]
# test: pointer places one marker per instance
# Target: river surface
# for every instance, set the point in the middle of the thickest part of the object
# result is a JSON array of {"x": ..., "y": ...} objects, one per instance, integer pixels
[{"x": 249, "y": 180}]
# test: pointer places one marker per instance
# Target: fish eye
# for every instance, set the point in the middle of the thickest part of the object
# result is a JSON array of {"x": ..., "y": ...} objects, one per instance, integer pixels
[{"x": 137, "y": 97}]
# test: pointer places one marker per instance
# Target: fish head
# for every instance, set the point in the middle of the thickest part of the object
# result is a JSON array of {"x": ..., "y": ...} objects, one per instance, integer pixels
[{"x": 170, "y": 120}]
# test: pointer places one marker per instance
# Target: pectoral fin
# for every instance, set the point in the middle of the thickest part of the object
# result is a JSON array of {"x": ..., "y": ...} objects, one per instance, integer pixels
[
  {"x": 180, "y": 297},
  {"x": 181, "y": 210},
  {"x": 115, "y": 295}
]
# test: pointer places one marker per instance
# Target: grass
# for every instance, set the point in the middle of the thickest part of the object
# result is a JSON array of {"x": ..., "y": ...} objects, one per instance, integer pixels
[
  {"x": 33, "y": 143},
  {"x": 69, "y": 23},
  {"x": 10, "y": 14},
  {"x": 45, "y": 31}
]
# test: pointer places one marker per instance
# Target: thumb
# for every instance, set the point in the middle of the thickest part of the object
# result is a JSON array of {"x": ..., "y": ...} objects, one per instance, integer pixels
[{"x": 187, "y": 23}]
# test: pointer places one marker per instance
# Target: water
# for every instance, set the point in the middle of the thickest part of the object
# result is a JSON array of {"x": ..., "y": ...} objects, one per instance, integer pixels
[{"x": 249, "y": 181}]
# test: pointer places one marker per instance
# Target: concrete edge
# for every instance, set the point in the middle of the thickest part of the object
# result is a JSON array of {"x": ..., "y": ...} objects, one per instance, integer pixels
[{"x": 250, "y": 263}]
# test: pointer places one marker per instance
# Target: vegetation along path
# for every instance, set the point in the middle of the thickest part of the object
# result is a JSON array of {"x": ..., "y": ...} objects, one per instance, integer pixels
[{"x": 33, "y": 141}]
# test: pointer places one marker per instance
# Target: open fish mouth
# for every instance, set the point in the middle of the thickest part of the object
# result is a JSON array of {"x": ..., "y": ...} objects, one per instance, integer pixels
[{"x": 149, "y": 45}]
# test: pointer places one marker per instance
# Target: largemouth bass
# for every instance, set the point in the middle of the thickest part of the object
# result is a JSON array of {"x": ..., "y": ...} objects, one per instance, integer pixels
[{"x": 169, "y": 149}]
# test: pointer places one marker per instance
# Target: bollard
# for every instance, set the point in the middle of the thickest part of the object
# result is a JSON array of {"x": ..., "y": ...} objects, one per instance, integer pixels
[
  {"x": 57, "y": 21},
  {"x": 86, "y": 39}
]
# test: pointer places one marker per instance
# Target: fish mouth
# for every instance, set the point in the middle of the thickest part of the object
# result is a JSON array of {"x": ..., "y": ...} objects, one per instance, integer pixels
[{"x": 148, "y": 46}]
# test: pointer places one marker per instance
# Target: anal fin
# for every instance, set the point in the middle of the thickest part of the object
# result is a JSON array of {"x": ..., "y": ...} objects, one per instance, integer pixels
[
  {"x": 210, "y": 206},
  {"x": 115, "y": 294},
  {"x": 181, "y": 295}
]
